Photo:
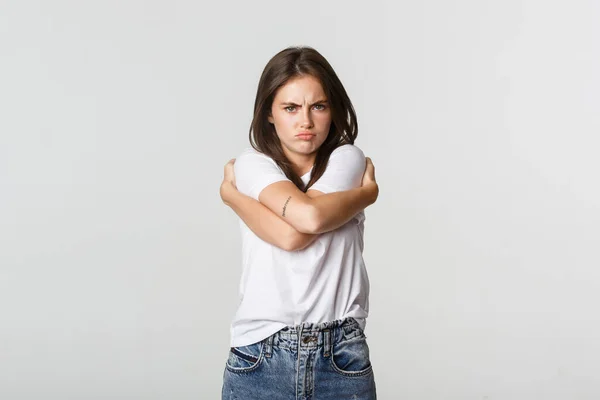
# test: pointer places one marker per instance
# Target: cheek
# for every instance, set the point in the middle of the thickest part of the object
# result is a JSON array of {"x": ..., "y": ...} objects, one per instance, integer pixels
[
  {"x": 284, "y": 122},
  {"x": 324, "y": 119},
  {"x": 283, "y": 118}
]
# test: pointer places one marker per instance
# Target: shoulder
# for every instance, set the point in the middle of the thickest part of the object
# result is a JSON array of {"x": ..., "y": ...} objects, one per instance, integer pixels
[
  {"x": 253, "y": 167},
  {"x": 254, "y": 171},
  {"x": 344, "y": 170},
  {"x": 348, "y": 150},
  {"x": 249, "y": 157},
  {"x": 251, "y": 153},
  {"x": 348, "y": 153}
]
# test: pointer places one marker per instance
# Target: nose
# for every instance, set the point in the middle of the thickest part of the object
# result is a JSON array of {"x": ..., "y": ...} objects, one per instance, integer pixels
[{"x": 306, "y": 121}]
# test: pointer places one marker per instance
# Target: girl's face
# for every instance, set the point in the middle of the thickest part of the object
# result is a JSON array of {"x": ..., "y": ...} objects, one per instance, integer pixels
[{"x": 301, "y": 116}]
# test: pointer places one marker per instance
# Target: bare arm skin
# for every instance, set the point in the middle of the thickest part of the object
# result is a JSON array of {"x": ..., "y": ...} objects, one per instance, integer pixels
[
  {"x": 322, "y": 213},
  {"x": 263, "y": 222},
  {"x": 277, "y": 231},
  {"x": 319, "y": 214}
]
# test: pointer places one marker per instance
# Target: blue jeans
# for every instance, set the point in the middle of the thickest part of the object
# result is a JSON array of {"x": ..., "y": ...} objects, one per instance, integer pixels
[{"x": 310, "y": 361}]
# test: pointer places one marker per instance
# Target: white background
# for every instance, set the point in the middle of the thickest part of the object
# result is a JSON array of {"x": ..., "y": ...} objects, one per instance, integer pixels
[{"x": 119, "y": 265}]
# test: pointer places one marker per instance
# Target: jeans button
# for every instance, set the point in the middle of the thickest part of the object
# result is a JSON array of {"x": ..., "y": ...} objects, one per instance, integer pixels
[{"x": 306, "y": 339}]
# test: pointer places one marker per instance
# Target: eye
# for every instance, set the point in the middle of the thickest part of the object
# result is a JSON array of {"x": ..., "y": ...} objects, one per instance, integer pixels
[
  {"x": 288, "y": 107},
  {"x": 320, "y": 105}
]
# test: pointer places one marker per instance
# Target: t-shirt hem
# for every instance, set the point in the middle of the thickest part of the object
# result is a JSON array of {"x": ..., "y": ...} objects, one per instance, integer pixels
[{"x": 255, "y": 337}]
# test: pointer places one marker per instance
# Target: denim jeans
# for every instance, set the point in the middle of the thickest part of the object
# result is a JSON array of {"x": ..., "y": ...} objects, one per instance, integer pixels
[{"x": 309, "y": 361}]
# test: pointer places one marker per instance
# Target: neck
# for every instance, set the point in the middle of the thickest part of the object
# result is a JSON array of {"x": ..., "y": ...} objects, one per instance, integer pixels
[{"x": 302, "y": 163}]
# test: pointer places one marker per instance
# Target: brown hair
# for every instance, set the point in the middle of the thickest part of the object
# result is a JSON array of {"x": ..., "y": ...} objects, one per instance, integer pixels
[{"x": 285, "y": 65}]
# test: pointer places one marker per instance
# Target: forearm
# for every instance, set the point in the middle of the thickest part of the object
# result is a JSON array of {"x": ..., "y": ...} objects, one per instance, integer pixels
[
  {"x": 265, "y": 223},
  {"x": 335, "y": 209}
]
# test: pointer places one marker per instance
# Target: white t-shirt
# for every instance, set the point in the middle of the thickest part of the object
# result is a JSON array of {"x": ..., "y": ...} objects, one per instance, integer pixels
[{"x": 325, "y": 281}]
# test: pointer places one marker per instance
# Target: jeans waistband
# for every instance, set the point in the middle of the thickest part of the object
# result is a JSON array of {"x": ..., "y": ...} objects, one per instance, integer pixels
[{"x": 311, "y": 334}]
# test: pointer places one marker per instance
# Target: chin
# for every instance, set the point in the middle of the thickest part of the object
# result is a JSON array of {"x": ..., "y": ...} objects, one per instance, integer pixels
[{"x": 307, "y": 148}]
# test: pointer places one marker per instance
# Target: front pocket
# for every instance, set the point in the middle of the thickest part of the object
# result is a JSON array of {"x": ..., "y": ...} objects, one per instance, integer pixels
[
  {"x": 351, "y": 357},
  {"x": 245, "y": 358}
]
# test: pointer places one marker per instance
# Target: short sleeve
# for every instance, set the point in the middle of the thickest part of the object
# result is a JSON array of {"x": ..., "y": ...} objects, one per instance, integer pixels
[
  {"x": 255, "y": 171},
  {"x": 344, "y": 170}
]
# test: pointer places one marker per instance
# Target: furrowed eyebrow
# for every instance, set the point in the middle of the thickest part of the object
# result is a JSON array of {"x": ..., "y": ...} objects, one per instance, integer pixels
[{"x": 289, "y": 103}]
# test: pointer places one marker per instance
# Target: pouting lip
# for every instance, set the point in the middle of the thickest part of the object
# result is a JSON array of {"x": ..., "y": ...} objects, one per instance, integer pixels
[{"x": 305, "y": 133}]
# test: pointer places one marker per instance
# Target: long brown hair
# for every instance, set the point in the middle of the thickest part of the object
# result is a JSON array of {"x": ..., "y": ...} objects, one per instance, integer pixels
[{"x": 285, "y": 65}]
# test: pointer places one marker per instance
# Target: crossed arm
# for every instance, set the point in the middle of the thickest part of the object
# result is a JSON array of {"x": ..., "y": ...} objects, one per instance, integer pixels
[
  {"x": 306, "y": 215},
  {"x": 291, "y": 219}
]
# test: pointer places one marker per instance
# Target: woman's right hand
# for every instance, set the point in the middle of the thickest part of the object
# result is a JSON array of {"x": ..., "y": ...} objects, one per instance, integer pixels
[
  {"x": 368, "y": 180},
  {"x": 228, "y": 184}
]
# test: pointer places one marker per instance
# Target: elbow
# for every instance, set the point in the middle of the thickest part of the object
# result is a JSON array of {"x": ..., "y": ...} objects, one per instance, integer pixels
[
  {"x": 296, "y": 241},
  {"x": 289, "y": 244}
]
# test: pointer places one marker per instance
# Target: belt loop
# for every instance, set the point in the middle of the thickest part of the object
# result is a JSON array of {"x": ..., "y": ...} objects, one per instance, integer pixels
[
  {"x": 326, "y": 343},
  {"x": 269, "y": 346}
]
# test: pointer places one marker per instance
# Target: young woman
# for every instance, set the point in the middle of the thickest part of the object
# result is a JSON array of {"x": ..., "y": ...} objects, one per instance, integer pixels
[{"x": 300, "y": 192}]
